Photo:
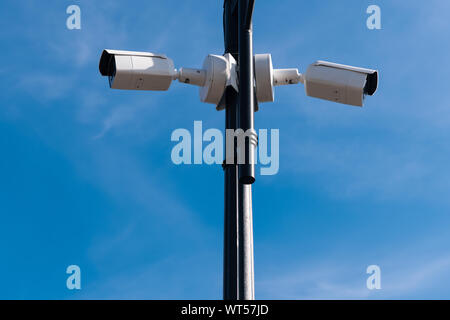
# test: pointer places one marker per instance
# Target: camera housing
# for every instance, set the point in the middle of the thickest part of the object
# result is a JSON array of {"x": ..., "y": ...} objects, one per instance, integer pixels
[
  {"x": 324, "y": 80},
  {"x": 132, "y": 70},
  {"x": 340, "y": 83}
]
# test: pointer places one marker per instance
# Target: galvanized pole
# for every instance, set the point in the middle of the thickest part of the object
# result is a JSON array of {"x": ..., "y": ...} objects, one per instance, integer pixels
[
  {"x": 246, "y": 281},
  {"x": 246, "y": 169}
]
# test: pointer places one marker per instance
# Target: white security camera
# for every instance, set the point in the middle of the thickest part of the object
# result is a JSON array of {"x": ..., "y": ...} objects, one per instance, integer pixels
[
  {"x": 340, "y": 83},
  {"x": 324, "y": 80},
  {"x": 130, "y": 70}
]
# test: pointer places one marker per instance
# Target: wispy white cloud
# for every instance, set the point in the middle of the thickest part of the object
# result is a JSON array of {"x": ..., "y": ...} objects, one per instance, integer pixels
[
  {"x": 117, "y": 117},
  {"x": 45, "y": 86},
  {"x": 332, "y": 279},
  {"x": 354, "y": 169},
  {"x": 174, "y": 276}
]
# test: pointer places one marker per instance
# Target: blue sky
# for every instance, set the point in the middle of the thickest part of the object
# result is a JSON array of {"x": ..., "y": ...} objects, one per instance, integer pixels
[{"x": 87, "y": 179}]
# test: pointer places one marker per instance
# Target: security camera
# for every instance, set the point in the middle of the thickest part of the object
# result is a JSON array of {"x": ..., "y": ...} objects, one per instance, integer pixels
[
  {"x": 340, "y": 83},
  {"x": 324, "y": 80},
  {"x": 130, "y": 70}
]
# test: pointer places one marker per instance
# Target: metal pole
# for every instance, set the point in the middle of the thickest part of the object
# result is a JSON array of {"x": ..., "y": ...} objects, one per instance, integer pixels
[
  {"x": 245, "y": 245},
  {"x": 238, "y": 276},
  {"x": 230, "y": 260},
  {"x": 246, "y": 170},
  {"x": 246, "y": 90}
]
